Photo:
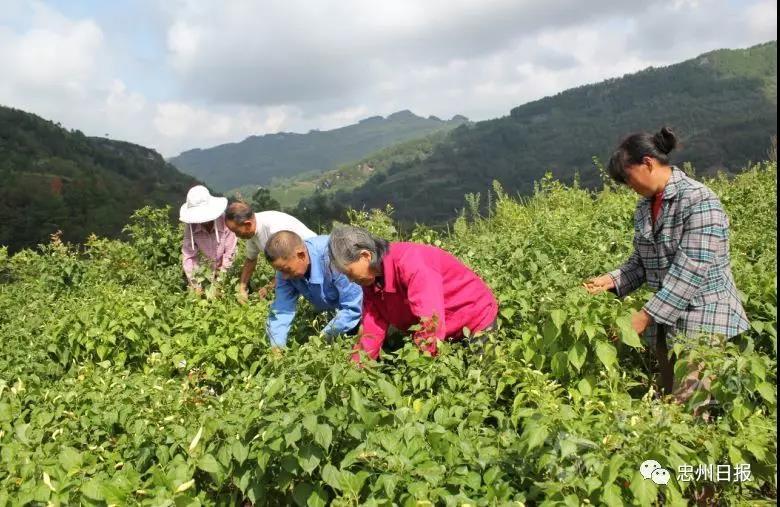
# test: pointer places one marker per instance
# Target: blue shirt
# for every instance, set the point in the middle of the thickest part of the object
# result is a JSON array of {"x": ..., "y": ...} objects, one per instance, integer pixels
[{"x": 324, "y": 288}]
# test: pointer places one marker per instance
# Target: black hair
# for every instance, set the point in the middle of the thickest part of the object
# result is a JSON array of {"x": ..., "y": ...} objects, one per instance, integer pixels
[
  {"x": 282, "y": 245},
  {"x": 239, "y": 212},
  {"x": 639, "y": 145}
]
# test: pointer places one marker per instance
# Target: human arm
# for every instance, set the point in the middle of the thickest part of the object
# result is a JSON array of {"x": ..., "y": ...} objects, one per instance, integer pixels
[
  {"x": 189, "y": 254},
  {"x": 425, "y": 292},
  {"x": 373, "y": 332},
  {"x": 246, "y": 274},
  {"x": 624, "y": 280},
  {"x": 349, "y": 307},
  {"x": 630, "y": 276},
  {"x": 228, "y": 252}
]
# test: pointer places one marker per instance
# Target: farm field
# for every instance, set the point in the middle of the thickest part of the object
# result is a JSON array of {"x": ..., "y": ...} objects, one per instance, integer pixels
[{"x": 119, "y": 388}]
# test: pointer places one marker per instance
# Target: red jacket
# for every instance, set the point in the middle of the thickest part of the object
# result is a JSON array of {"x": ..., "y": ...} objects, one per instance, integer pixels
[{"x": 424, "y": 285}]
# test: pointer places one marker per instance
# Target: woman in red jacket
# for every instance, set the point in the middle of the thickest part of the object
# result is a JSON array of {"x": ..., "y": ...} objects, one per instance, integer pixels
[{"x": 408, "y": 284}]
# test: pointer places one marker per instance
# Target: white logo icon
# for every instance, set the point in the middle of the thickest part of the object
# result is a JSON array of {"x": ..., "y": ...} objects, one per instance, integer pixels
[
  {"x": 651, "y": 469},
  {"x": 661, "y": 476}
]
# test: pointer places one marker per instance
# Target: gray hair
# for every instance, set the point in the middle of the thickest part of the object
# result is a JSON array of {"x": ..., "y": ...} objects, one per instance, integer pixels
[
  {"x": 346, "y": 243},
  {"x": 282, "y": 245}
]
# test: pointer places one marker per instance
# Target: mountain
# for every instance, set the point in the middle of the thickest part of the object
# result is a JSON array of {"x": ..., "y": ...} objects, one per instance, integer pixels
[
  {"x": 258, "y": 159},
  {"x": 722, "y": 104},
  {"x": 289, "y": 191},
  {"x": 56, "y": 179}
]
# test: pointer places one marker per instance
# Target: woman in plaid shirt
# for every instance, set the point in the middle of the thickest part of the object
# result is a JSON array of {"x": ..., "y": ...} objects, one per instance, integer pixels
[{"x": 681, "y": 250}]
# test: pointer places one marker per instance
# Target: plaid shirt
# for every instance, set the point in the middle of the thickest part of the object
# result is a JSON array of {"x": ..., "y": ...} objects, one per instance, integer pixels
[
  {"x": 684, "y": 258},
  {"x": 218, "y": 246}
]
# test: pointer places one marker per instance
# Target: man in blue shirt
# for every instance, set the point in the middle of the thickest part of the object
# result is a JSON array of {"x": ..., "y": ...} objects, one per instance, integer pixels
[{"x": 303, "y": 269}]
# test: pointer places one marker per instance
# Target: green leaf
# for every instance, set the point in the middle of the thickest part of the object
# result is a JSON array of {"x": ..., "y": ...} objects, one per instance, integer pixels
[
  {"x": 356, "y": 401},
  {"x": 585, "y": 386},
  {"x": 535, "y": 435},
  {"x": 757, "y": 450},
  {"x": 323, "y": 435},
  {"x": 491, "y": 475},
  {"x": 232, "y": 353},
  {"x": 645, "y": 491},
  {"x": 21, "y": 433},
  {"x": 390, "y": 391},
  {"x": 550, "y": 332},
  {"x": 274, "y": 386},
  {"x": 93, "y": 489},
  {"x": 309, "y": 495},
  {"x": 606, "y": 353},
  {"x": 612, "y": 470},
  {"x": 308, "y": 458},
  {"x": 149, "y": 310},
  {"x": 627, "y": 333},
  {"x": 507, "y": 313},
  {"x": 310, "y": 423},
  {"x": 611, "y": 496},
  {"x": 577, "y": 355},
  {"x": 735, "y": 455},
  {"x": 239, "y": 452},
  {"x": 558, "y": 318},
  {"x": 331, "y": 476},
  {"x": 767, "y": 391},
  {"x": 70, "y": 459},
  {"x": 209, "y": 463},
  {"x": 568, "y": 447}
]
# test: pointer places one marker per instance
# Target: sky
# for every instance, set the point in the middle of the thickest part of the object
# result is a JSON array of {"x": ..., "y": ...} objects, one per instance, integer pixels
[{"x": 182, "y": 74}]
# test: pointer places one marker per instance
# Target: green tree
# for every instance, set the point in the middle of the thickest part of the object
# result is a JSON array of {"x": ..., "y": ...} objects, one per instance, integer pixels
[{"x": 262, "y": 200}]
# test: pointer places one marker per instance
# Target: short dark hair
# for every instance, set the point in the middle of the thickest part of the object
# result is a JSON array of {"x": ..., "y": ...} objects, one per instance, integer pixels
[
  {"x": 282, "y": 245},
  {"x": 636, "y": 146},
  {"x": 239, "y": 212}
]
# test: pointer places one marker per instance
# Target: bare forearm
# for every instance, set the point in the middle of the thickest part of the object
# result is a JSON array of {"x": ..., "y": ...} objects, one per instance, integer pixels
[{"x": 246, "y": 272}]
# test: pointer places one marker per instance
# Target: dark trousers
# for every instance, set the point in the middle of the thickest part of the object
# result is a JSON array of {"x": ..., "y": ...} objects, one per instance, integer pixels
[{"x": 665, "y": 363}]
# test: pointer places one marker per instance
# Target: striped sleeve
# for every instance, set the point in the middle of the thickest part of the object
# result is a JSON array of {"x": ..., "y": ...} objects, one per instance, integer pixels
[{"x": 630, "y": 276}]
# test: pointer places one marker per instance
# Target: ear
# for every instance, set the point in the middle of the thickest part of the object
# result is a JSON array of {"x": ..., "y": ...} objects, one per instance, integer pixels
[
  {"x": 365, "y": 254},
  {"x": 649, "y": 162},
  {"x": 301, "y": 254}
]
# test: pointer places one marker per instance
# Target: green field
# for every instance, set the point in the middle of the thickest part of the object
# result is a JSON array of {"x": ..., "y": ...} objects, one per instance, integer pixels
[{"x": 117, "y": 388}]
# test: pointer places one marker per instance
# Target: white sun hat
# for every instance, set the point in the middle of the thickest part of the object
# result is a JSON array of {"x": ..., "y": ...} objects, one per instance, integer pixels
[{"x": 201, "y": 206}]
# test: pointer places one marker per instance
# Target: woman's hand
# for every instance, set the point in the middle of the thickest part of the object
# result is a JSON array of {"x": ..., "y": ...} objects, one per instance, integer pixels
[
  {"x": 640, "y": 321},
  {"x": 599, "y": 284}
]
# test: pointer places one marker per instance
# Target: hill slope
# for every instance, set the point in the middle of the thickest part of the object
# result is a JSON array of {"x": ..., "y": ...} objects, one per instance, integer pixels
[
  {"x": 289, "y": 191},
  {"x": 723, "y": 104},
  {"x": 55, "y": 179},
  {"x": 258, "y": 159}
]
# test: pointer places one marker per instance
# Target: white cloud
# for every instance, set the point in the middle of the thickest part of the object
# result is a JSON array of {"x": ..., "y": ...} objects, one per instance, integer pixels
[
  {"x": 762, "y": 20},
  {"x": 227, "y": 70}
]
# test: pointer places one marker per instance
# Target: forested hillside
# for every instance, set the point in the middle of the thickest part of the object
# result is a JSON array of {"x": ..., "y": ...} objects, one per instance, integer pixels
[
  {"x": 56, "y": 179},
  {"x": 258, "y": 159},
  {"x": 722, "y": 104}
]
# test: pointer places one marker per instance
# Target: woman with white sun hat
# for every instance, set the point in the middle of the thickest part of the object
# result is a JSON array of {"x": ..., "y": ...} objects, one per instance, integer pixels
[{"x": 205, "y": 233}]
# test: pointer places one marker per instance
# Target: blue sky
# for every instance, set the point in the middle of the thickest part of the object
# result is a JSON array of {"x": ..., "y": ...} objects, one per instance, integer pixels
[{"x": 187, "y": 73}]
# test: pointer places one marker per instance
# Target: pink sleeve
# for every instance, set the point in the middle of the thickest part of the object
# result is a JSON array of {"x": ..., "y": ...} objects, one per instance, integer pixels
[
  {"x": 374, "y": 332},
  {"x": 425, "y": 291},
  {"x": 228, "y": 256},
  {"x": 189, "y": 254}
]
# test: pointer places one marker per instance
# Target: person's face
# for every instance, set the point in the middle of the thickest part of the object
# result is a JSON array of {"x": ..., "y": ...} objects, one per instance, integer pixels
[
  {"x": 642, "y": 177},
  {"x": 244, "y": 230},
  {"x": 293, "y": 267},
  {"x": 360, "y": 271}
]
